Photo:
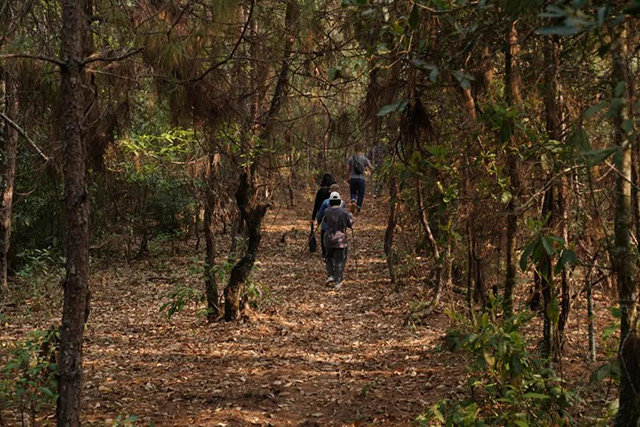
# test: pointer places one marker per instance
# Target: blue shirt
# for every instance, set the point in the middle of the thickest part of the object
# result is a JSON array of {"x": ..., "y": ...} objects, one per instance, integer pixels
[{"x": 320, "y": 214}]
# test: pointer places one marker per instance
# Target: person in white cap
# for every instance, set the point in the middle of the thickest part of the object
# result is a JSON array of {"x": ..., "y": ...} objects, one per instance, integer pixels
[
  {"x": 320, "y": 215},
  {"x": 337, "y": 220}
]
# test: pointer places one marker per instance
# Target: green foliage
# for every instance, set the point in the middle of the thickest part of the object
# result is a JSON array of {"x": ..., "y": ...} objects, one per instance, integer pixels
[
  {"x": 397, "y": 106},
  {"x": 38, "y": 278},
  {"x": 511, "y": 386},
  {"x": 28, "y": 382},
  {"x": 451, "y": 414},
  {"x": 122, "y": 421},
  {"x": 180, "y": 297},
  {"x": 611, "y": 343},
  {"x": 546, "y": 245},
  {"x": 37, "y": 221},
  {"x": 257, "y": 294}
]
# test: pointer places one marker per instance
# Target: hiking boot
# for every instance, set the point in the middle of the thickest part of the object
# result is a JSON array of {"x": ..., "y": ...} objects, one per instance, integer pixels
[
  {"x": 337, "y": 286},
  {"x": 329, "y": 281}
]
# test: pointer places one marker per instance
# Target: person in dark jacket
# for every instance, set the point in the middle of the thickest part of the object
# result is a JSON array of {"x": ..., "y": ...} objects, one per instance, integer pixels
[
  {"x": 337, "y": 219},
  {"x": 321, "y": 195},
  {"x": 320, "y": 215}
]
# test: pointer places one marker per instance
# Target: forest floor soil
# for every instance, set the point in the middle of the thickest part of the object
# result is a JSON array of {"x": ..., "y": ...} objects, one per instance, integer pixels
[{"x": 307, "y": 356}]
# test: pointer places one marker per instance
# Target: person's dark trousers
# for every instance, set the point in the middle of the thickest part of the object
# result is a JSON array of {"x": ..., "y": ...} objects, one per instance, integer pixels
[
  {"x": 324, "y": 251},
  {"x": 335, "y": 262},
  {"x": 356, "y": 187}
]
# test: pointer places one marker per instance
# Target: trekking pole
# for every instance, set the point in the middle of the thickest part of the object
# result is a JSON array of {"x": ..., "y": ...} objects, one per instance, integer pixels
[
  {"x": 315, "y": 231},
  {"x": 355, "y": 252}
]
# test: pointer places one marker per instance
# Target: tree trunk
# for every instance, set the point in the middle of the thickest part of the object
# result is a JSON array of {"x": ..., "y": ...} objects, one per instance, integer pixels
[
  {"x": 439, "y": 263},
  {"x": 280, "y": 91},
  {"x": 252, "y": 215},
  {"x": 545, "y": 273},
  {"x": 549, "y": 215},
  {"x": 76, "y": 301},
  {"x": 565, "y": 302},
  {"x": 513, "y": 98},
  {"x": 211, "y": 286},
  {"x": 8, "y": 174},
  {"x": 628, "y": 354},
  {"x": 391, "y": 228}
]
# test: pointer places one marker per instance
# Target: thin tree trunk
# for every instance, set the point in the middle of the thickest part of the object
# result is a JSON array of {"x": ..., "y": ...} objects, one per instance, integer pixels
[
  {"x": 470, "y": 106},
  {"x": 513, "y": 98},
  {"x": 628, "y": 355},
  {"x": 210, "y": 283},
  {"x": 591, "y": 313},
  {"x": 565, "y": 302},
  {"x": 391, "y": 228},
  {"x": 8, "y": 173},
  {"x": 252, "y": 215},
  {"x": 76, "y": 301},
  {"x": 546, "y": 280},
  {"x": 426, "y": 228},
  {"x": 470, "y": 264},
  {"x": 549, "y": 214}
]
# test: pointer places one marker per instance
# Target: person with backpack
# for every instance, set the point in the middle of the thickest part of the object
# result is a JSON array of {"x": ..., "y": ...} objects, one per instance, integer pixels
[
  {"x": 337, "y": 219},
  {"x": 357, "y": 165},
  {"x": 321, "y": 195},
  {"x": 320, "y": 216}
]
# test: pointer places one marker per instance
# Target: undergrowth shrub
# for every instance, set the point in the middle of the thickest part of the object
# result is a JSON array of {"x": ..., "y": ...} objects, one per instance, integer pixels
[
  {"x": 510, "y": 385},
  {"x": 29, "y": 379},
  {"x": 36, "y": 285},
  {"x": 257, "y": 295}
]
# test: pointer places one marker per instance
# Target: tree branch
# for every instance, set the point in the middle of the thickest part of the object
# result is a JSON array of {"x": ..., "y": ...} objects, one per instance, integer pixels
[
  {"x": 30, "y": 56},
  {"x": 124, "y": 56},
  {"x": 233, "y": 51},
  {"x": 25, "y": 136}
]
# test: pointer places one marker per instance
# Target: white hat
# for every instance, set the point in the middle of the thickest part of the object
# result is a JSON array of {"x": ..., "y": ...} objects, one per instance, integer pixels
[{"x": 334, "y": 196}]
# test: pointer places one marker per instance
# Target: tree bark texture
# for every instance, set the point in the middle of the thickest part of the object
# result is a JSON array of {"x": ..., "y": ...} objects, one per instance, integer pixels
[
  {"x": 280, "y": 91},
  {"x": 545, "y": 273},
  {"x": 513, "y": 98},
  {"x": 9, "y": 151},
  {"x": 435, "y": 249},
  {"x": 211, "y": 285},
  {"x": 628, "y": 354},
  {"x": 252, "y": 214},
  {"x": 75, "y": 306}
]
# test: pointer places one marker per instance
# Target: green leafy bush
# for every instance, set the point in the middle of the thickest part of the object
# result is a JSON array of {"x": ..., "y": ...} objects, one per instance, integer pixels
[
  {"x": 179, "y": 298},
  {"x": 29, "y": 380},
  {"x": 511, "y": 386}
]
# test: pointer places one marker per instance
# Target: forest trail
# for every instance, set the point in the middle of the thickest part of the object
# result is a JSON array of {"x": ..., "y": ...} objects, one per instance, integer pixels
[{"x": 313, "y": 357}]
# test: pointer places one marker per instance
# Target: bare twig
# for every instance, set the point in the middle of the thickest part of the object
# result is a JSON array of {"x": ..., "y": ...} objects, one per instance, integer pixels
[
  {"x": 30, "y": 56},
  {"x": 233, "y": 51},
  {"x": 122, "y": 57},
  {"x": 25, "y": 136}
]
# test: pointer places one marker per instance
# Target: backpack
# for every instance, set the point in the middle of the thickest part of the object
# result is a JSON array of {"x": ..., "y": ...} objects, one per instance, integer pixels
[
  {"x": 313, "y": 245},
  {"x": 358, "y": 167}
]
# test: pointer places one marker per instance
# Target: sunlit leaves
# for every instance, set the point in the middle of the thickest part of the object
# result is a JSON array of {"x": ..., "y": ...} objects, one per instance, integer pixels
[{"x": 395, "y": 107}]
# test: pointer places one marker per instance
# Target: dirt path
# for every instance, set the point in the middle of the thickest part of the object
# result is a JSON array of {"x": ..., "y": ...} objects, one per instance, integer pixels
[{"x": 313, "y": 357}]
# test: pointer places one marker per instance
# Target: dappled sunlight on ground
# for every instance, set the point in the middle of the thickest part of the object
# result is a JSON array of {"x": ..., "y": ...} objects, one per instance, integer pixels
[{"x": 313, "y": 356}]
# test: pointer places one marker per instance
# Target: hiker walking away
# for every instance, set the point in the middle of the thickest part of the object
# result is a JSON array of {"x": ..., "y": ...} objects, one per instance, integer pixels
[
  {"x": 356, "y": 168},
  {"x": 321, "y": 195},
  {"x": 335, "y": 239},
  {"x": 320, "y": 215}
]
